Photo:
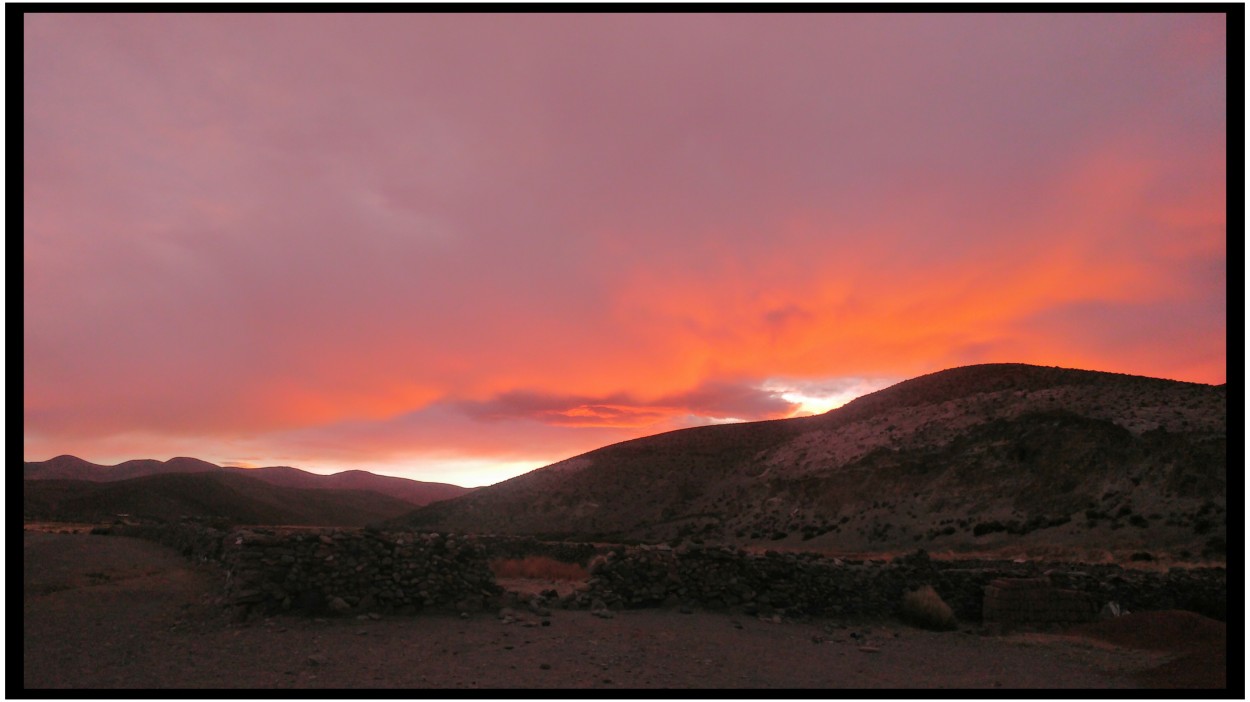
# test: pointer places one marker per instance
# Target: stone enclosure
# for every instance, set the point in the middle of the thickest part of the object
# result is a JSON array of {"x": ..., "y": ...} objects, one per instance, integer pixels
[
  {"x": 1016, "y": 601},
  {"x": 357, "y": 571}
]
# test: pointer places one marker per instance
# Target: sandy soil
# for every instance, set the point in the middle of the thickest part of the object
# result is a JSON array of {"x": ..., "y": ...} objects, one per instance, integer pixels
[{"x": 112, "y": 612}]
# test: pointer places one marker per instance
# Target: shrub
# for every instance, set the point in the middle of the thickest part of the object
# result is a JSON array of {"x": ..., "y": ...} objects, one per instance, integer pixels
[
  {"x": 1216, "y": 546},
  {"x": 925, "y": 609},
  {"x": 537, "y": 568},
  {"x": 988, "y": 528}
]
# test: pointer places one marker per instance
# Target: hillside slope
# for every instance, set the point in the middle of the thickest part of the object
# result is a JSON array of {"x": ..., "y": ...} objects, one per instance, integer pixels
[
  {"x": 223, "y": 496},
  {"x": 971, "y": 458}
]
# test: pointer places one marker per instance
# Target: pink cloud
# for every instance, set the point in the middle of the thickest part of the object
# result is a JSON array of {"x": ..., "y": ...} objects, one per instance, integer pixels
[{"x": 266, "y": 228}]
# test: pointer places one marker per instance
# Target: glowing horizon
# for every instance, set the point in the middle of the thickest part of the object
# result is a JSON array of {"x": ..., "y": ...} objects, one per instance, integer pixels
[{"x": 450, "y": 247}]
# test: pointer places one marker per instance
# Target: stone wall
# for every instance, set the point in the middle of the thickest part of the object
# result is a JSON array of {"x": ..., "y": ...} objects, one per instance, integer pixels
[
  {"x": 577, "y": 552},
  {"x": 789, "y": 583},
  {"x": 361, "y": 571},
  {"x": 1014, "y": 601},
  {"x": 356, "y": 571},
  {"x": 198, "y": 542}
]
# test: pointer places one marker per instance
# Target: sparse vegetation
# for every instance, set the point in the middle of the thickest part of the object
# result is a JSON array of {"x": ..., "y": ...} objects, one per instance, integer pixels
[
  {"x": 924, "y": 608},
  {"x": 1216, "y": 546}
]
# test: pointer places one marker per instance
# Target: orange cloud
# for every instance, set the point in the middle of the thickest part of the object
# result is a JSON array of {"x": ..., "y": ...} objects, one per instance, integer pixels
[{"x": 521, "y": 260}]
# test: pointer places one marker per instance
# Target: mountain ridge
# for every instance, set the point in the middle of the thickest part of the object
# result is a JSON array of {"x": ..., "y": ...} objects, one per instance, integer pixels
[
  {"x": 970, "y": 457},
  {"x": 224, "y": 496},
  {"x": 415, "y": 492}
]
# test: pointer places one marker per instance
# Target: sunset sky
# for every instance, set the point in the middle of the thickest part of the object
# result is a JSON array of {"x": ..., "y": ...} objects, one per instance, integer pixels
[{"x": 457, "y": 248}]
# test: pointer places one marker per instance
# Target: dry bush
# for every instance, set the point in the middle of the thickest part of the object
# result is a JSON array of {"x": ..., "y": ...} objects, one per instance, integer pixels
[
  {"x": 537, "y": 568},
  {"x": 924, "y": 608}
]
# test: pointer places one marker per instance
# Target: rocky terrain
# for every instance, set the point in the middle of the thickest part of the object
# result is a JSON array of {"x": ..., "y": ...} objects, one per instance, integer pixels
[
  {"x": 1001, "y": 458},
  {"x": 761, "y": 555},
  {"x": 108, "y": 612}
]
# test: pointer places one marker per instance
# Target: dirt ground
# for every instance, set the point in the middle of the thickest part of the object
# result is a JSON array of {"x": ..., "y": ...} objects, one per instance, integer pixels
[{"x": 105, "y": 612}]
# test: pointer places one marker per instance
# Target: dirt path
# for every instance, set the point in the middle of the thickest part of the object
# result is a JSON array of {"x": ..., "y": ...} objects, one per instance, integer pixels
[{"x": 111, "y": 612}]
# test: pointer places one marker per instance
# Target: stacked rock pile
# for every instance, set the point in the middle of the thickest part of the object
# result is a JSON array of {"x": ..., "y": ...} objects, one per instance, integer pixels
[
  {"x": 728, "y": 578},
  {"x": 346, "y": 571},
  {"x": 195, "y": 541},
  {"x": 807, "y": 584}
]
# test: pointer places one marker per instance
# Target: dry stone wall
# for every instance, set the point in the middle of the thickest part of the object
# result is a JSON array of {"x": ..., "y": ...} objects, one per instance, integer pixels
[
  {"x": 1014, "y": 601},
  {"x": 333, "y": 570},
  {"x": 342, "y": 571},
  {"x": 359, "y": 571},
  {"x": 518, "y": 547},
  {"x": 789, "y": 583},
  {"x": 199, "y": 542}
]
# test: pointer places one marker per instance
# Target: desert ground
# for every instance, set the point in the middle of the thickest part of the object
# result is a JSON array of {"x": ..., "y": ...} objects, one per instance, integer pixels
[{"x": 107, "y": 612}]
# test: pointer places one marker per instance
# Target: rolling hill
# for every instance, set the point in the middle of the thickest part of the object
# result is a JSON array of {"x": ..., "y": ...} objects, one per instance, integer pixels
[
  {"x": 978, "y": 458},
  {"x": 226, "y": 496},
  {"x": 414, "y": 492}
]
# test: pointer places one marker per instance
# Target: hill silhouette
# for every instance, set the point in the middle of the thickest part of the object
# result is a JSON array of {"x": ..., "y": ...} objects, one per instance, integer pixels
[
  {"x": 973, "y": 458},
  {"x": 224, "y": 496},
  {"x": 415, "y": 492}
]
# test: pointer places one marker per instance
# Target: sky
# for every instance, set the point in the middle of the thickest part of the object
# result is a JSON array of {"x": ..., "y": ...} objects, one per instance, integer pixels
[{"x": 461, "y": 247}]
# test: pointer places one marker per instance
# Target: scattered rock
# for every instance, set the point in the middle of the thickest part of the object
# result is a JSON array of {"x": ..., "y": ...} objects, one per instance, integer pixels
[
  {"x": 315, "y": 661},
  {"x": 339, "y": 606},
  {"x": 545, "y": 666},
  {"x": 1111, "y": 610}
]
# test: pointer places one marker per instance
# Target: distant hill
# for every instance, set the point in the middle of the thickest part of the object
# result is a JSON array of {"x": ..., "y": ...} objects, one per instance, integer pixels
[
  {"x": 74, "y": 468},
  {"x": 414, "y": 492},
  {"x": 228, "y": 496},
  {"x": 974, "y": 458}
]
